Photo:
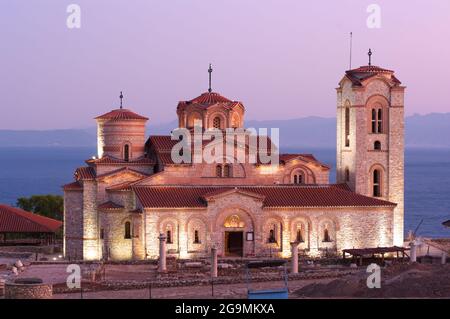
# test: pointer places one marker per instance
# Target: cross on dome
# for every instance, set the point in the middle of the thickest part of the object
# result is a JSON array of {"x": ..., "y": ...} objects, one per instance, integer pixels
[{"x": 210, "y": 72}]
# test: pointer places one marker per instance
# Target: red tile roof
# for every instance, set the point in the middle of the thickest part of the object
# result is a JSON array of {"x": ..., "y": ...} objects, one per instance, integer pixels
[
  {"x": 370, "y": 69},
  {"x": 365, "y": 72},
  {"x": 162, "y": 143},
  {"x": 85, "y": 173},
  {"x": 210, "y": 98},
  {"x": 116, "y": 171},
  {"x": 120, "y": 187},
  {"x": 109, "y": 205},
  {"x": 75, "y": 186},
  {"x": 16, "y": 220},
  {"x": 109, "y": 160},
  {"x": 274, "y": 196},
  {"x": 284, "y": 158},
  {"x": 121, "y": 114}
]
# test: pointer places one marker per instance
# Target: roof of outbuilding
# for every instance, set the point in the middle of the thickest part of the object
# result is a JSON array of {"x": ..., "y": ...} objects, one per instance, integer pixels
[
  {"x": 16, "y": 220},
  {"x": 274, "y": 196}
]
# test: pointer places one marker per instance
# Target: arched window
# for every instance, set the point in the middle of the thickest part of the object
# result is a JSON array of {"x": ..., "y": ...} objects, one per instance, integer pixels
[
  {"x": 376, "y": 183},
  {"x": 298, "y": 177},
  {"x": 380, "y": 121},
  {"x": 196, "y": 237},
  {"x": 272, "y": 238},
  {"x": 126, "y": 152},
  {"x": 377, "y": 145},
  {"x": 217, "y": 123},
  {"x": 326, "y": 236},
  {"x": 235, "y": 121},
  {"x": 347, "y": 126},
  {"x": 347, "y": 174},
  {"x": 227, "y": 170},
  {"x": 169, "y": 236},
  {"x": 299, "y": 237},
  {"x": 194, "y": 119},
  {"x": 272, "y": 234},
  {"x": 127, "y": 230},
  {"x": 377, "y": 120},
  {"x": 219, "y": 170}
]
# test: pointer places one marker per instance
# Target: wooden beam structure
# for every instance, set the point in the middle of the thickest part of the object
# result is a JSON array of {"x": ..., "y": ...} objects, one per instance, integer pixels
[{"x": 360, "y": 253}]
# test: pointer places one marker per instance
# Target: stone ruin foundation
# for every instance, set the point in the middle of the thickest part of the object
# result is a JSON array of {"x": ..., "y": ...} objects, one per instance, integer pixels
[{"x": 28, "y": 288}]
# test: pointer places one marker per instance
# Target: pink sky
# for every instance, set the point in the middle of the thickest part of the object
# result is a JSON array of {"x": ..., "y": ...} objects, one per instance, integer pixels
[{"x": 282, "y": 58}]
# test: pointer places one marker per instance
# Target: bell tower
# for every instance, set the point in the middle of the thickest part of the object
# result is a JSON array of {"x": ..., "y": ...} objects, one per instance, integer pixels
[{"x": 370, "y": 137}]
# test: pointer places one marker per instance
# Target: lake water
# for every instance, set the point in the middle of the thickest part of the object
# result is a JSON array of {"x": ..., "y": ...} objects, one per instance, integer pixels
[{"x": 29, "y": 171}]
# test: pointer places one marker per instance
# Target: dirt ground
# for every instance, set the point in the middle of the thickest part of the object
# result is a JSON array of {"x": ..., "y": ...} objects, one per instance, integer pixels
[{"x": 397, "y": 281}]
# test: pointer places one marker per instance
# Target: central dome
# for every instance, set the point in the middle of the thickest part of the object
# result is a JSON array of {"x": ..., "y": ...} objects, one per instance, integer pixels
[
  {"x": 210, "y": 98},
  {"x": 212, "y": 110}
]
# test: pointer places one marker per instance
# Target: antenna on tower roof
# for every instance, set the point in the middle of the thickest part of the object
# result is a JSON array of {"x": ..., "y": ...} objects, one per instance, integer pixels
[{"x": 351, "y": 44}]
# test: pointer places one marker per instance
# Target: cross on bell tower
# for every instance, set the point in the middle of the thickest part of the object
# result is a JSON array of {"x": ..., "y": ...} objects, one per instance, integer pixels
[
  {"x": 121, "y": 99},
  {"x": 370, "y": 57},
  {"x": 210, "y": 72}
]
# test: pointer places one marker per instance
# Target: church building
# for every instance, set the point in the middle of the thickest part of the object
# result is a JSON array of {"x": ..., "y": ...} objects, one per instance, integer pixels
[{"x": 133, "y": 191}]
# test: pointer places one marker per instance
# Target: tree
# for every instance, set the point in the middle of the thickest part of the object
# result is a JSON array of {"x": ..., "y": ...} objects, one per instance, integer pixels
[{"x": 46, "y": 205}]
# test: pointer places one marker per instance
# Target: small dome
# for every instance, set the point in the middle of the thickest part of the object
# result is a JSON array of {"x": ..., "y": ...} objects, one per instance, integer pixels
[{"x": 121, "y": 114}]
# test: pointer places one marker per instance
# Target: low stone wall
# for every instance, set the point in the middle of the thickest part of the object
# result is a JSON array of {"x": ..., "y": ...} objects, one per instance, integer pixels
[
  {"x": 31, "y": 288},
  {"x": 48, "y": 249}
]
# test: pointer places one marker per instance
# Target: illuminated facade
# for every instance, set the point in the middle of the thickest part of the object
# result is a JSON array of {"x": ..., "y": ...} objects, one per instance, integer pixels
[{"x": 133, "y": 191}]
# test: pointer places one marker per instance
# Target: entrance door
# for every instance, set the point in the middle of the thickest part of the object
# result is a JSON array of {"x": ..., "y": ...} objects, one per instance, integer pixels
[{"x": 234, "y": 243}]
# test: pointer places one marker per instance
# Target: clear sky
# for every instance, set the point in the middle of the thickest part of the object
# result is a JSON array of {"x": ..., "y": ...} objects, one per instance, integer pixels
[{"x": 282, "y": 58}]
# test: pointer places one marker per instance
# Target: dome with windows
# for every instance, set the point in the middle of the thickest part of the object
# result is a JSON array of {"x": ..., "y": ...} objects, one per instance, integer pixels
[{"x": 211, "y": 110}]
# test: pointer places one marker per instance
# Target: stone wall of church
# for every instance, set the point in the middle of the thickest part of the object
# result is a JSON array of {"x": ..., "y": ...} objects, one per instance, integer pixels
[
  {"x": 244, "y": 174},
  {"x": 396, "y": 171},
  {"x": 115, "y": 245},
  {"x": 91, "y": 245},
  {"x": 183, "y": 224},
  {"x": 112, "y": 224},
  {"x": 344, "y": 228},
  {"x": 73, "y": 224}
]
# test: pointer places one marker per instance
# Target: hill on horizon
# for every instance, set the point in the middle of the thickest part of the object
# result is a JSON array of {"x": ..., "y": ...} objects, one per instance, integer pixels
[{"x": 428, "y": 130}]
